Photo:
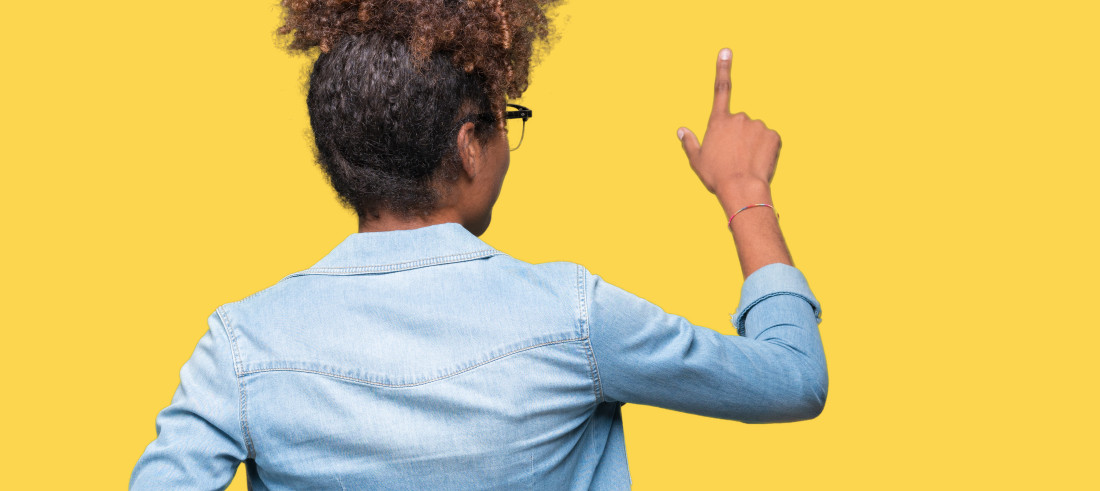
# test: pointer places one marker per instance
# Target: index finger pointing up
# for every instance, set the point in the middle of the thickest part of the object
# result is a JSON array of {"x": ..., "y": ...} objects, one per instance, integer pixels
[{"x": 722, "y": 84}]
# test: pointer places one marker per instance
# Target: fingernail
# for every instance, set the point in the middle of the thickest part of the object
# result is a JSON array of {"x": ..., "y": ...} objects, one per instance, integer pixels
[
  {"x": 725, "y": 54},
  {"x": 680, "y": 134}
]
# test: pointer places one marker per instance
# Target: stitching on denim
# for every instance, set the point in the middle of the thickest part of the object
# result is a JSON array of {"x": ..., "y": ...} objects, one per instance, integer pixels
[
  {"x": 401, "y": 266},
  {"x": 742, "y": 316},
  {"x": 238, "y": 369},
  {"x": 261, "y": 292},
  {"x": 382, "y": 268},
  {"x": 582, "y": 291},
  {"x": 433, "y": 259},
  {"x": 412, "y": 384}
]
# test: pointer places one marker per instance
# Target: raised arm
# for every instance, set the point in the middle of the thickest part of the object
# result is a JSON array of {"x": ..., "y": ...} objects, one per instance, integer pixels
[
  {"x": 736, "y": 162},
  {"x": 775, "y": 370}
]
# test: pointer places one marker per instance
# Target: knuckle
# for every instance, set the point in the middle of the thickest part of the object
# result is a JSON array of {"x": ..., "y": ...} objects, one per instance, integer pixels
[{"x": 722, "y": 86}]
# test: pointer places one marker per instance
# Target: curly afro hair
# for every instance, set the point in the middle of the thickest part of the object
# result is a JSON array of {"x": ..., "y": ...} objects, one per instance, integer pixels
[{"x": 394, "y": 79}]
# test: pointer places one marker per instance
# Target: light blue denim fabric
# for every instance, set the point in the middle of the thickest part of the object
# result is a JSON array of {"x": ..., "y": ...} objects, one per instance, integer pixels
[{"x": 426, "y": 359}]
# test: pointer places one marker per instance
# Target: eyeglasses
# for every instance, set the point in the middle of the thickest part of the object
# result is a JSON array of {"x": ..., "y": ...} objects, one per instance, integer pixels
[
  {"x": 523, "y": 114},
  {"x": 520, "y": 112}
]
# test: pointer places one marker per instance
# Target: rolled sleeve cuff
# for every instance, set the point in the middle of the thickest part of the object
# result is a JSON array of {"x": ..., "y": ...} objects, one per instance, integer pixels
[{"x": 769, "y": 281}]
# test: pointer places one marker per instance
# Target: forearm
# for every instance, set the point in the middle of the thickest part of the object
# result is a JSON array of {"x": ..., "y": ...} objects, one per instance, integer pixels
[{"x": 756, "y": 232}]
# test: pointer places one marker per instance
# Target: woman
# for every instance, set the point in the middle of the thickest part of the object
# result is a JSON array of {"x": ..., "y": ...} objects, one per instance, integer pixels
[{"x": 415, "y": 355}]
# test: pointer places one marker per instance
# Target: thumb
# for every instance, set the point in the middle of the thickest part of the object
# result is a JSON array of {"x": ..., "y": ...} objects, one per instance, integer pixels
[{"x": 689, "y": 142}]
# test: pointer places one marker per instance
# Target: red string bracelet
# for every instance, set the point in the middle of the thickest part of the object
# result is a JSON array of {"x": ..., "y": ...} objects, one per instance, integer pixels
[{"x": 730, "y": 223}]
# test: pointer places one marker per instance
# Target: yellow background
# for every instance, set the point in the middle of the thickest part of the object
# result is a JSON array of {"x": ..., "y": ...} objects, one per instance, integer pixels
[{"x": 937, "y": 186}]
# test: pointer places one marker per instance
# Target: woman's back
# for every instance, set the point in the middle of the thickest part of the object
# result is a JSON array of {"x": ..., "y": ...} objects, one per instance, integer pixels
[
  {"x": 434, "y": 361},
  {"x": 425, "y": 359}
]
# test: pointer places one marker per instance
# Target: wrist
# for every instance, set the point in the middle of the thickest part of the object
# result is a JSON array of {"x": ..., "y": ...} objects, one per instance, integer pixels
[{"x": 736, "y": 195}]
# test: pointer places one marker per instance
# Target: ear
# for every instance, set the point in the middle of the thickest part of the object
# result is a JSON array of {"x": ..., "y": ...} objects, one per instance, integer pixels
[{"x": 469, "y": 150}]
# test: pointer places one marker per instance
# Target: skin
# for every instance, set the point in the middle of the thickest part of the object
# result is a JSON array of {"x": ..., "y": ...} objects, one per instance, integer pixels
[
  {"x": 736, "y": 164},
  {"x": 469, "y": 199}
]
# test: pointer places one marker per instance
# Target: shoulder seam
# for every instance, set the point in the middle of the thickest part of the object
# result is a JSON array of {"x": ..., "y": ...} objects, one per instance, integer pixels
[
  {"x": 238, "y": 368},
  {"x": 586, "y": 331}
]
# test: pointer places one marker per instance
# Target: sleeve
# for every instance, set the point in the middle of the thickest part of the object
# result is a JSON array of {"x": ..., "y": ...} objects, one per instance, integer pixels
[
  {"x": 774, "y": 372},
  {"x": 200, "y": 440}
]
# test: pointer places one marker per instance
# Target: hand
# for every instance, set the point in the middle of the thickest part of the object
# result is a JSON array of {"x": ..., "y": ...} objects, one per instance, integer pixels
[{"x": 737, "y": 150}]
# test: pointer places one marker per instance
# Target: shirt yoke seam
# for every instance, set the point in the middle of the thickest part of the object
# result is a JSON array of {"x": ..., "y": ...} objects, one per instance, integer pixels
[
  {"x": 238, "y": 370},
  {"x": 411, "y": 384}
]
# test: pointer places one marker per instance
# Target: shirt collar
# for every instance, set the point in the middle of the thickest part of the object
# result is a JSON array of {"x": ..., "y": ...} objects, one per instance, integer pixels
[{"x": 393, "y": 250}]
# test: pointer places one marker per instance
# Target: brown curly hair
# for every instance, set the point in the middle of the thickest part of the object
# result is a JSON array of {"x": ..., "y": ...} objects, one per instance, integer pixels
[
  {"x": 394, "y": 80},
  {"x": 494, "y": 37}
]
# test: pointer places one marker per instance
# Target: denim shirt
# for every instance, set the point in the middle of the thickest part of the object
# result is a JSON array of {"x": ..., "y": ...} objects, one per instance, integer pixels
[{"x": 426, "y": 359}]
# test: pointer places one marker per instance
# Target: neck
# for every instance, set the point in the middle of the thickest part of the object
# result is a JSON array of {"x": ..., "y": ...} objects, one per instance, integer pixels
[{"x": 386, "y": 222}]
